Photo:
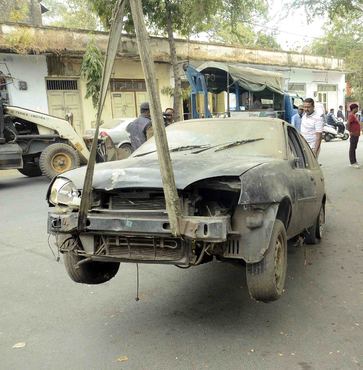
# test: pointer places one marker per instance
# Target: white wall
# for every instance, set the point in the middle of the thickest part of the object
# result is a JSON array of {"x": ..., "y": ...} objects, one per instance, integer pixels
[
  {"x": 29, "y": 68},
  {"x": 314, "y": 78}
]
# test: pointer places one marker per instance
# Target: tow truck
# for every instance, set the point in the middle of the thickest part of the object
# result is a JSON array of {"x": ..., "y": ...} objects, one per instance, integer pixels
[{"x": 38, "y": 144}]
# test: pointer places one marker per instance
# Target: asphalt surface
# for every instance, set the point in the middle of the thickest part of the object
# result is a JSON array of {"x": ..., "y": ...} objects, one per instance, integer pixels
[{"x": 201, "y": 318}]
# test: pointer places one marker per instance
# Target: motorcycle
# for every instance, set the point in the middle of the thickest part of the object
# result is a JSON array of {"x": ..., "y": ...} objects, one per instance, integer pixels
[{"x": 331, "y": 132}]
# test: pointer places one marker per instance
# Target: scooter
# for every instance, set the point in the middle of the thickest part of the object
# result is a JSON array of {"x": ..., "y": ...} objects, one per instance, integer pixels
[{"x": 331, "y": 132}]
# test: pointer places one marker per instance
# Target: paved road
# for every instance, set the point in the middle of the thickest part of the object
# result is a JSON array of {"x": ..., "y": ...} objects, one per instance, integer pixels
[{"x": 200, "y": 318}]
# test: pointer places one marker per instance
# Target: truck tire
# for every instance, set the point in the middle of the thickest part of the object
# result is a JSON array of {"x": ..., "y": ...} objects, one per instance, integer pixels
[
  {"x": 89, "y": 272},
  {"x": 30, "y": 170},
  {"x": 266, "y": 279},
  {"x": 58, "y": 158}
]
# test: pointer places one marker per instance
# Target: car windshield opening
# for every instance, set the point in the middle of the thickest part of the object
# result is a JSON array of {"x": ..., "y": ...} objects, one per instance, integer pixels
[{"x": 265, "y": 137}]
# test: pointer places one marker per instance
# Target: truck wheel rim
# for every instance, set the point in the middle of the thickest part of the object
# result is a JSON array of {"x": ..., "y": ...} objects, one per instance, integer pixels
[
  {"x": 61, "y": 162},
  {"x": 279, "y": 261}
]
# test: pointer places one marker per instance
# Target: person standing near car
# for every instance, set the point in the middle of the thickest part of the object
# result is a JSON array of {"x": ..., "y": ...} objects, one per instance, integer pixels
[
  {"x": 312, "y": 126},
  {"x": 168, "y": 116},
  {"x": 353, "y": 127},
  {"x": 140, "y": 130},
  {"x": 296, "y": 118}
]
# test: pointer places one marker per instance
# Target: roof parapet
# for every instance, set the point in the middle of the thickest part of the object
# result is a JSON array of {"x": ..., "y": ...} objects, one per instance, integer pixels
[{"x": 26, "y": 39}]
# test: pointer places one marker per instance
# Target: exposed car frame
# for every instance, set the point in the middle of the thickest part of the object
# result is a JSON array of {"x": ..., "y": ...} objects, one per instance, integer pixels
[{"x": 243, "y": 210}]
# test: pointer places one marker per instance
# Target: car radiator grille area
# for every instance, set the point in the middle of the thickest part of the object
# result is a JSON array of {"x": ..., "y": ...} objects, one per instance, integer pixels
[
  {"x": 153, "y": 249},
  {"x": 232, "y": 248},
  {"x": 121, "y": 203}
]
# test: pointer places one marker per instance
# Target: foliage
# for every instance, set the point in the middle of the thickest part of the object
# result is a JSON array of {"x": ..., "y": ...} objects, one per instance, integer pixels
[
  {"x": 243, "y": 34},
  {"x": 70, "y": 14},
  {"x": 170, "y": 91},
  {"x": 91, "y": 70},
  {"x": 332, "y": 8},
  {"x": 187, "y": 17},
  {"x": 23, "y": 40},
  {"x": 267, "y": 41},
  {"x": 344, "y": 39},
  {"x": 20, "y": 11}
]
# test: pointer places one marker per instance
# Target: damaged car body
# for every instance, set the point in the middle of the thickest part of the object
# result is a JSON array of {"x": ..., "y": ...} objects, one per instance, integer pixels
[{"x": 245, "y": 188}]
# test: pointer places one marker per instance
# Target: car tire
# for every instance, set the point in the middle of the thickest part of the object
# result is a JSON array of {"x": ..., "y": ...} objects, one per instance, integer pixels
[
  {"x": 266, "y": 279},
  {"x": 127, "y": 148},
  {"x": 345, "y": 136},
  {"x": 328, "y": 137},
  {"x": 315, "y": 232},
  {"x": 89, "y": 272},
  {"x": 58, "y": 158},
  {"x": 30, "y": 170}
]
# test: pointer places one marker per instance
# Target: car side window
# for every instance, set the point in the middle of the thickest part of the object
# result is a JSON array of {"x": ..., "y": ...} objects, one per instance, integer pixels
[
  {"x": 312, "y": 162},
  {"x": 297, "y": 149}
]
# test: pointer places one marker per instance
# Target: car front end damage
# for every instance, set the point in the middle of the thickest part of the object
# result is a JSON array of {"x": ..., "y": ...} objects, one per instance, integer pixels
[{"x": 131, "y": 225}]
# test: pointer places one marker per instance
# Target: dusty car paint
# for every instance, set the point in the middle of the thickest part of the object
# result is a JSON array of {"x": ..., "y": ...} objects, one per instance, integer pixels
[
  {"x": 144, "y": 171},
  {"x": 231, "y": 195}
]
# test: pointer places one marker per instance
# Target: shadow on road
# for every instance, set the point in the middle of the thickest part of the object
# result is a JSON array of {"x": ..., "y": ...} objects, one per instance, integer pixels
[
  {"x": 17, "y": 182},
  {"x": 215, "y": 296}
]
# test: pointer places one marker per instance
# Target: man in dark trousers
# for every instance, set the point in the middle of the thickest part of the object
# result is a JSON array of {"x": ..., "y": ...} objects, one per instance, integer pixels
[
  {"x": 353, "y": 127},
  {"x": 139, "y": 129}
]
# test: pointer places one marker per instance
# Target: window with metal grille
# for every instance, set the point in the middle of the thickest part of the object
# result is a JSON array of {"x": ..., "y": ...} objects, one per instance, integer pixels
[
  {"x": 327, "y": 87},
  {"x": 127, "y": 85},
  {"x": 297, "y": 87},
  {"x": 62, "y": 85}
]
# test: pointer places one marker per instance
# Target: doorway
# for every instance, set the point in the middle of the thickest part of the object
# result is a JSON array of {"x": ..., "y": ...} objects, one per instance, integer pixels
[{"x": 64, "y": 99}]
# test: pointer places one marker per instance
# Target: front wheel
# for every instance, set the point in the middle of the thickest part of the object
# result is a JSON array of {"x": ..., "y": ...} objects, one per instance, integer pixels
[
  {"x": 58, "y": 158},
  {"x": 266, "y": 279},
  {"x": 345, "y": 136},
  {"x": 89, "y": 272}
]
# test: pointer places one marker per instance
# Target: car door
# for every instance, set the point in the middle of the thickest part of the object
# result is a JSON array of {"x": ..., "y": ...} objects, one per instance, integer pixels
[
  {"x": 316, "y": 176},
  {"x": 304, "y": 185}
]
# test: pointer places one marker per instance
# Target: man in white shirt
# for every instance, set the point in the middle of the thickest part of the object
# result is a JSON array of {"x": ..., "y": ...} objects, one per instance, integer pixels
[{"x": 312, "y": 124}]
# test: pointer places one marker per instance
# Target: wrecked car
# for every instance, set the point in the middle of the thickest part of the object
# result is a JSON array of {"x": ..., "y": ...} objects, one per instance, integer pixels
[{"x": 245, "y": 187}]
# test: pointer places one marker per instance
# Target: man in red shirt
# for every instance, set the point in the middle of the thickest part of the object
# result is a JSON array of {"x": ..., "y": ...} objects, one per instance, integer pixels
[{"x": 353, "y": 127}]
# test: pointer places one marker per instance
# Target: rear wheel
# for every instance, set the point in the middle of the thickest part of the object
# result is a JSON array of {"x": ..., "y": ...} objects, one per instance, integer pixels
[
  {"x": 266, "y": 279},
  {"x": 30, "y": 170},
  {"x": 89, "y": 272},
  {"x": 315, "y": 232},
  {"x": 58, "y": 158}
]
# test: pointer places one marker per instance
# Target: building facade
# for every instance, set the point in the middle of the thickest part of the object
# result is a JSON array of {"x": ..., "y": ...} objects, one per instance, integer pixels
[{"x": 50, "y": 81}]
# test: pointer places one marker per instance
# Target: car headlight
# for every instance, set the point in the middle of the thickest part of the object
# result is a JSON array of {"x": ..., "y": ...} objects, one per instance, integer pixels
[{"x": 64, "y": 192}]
